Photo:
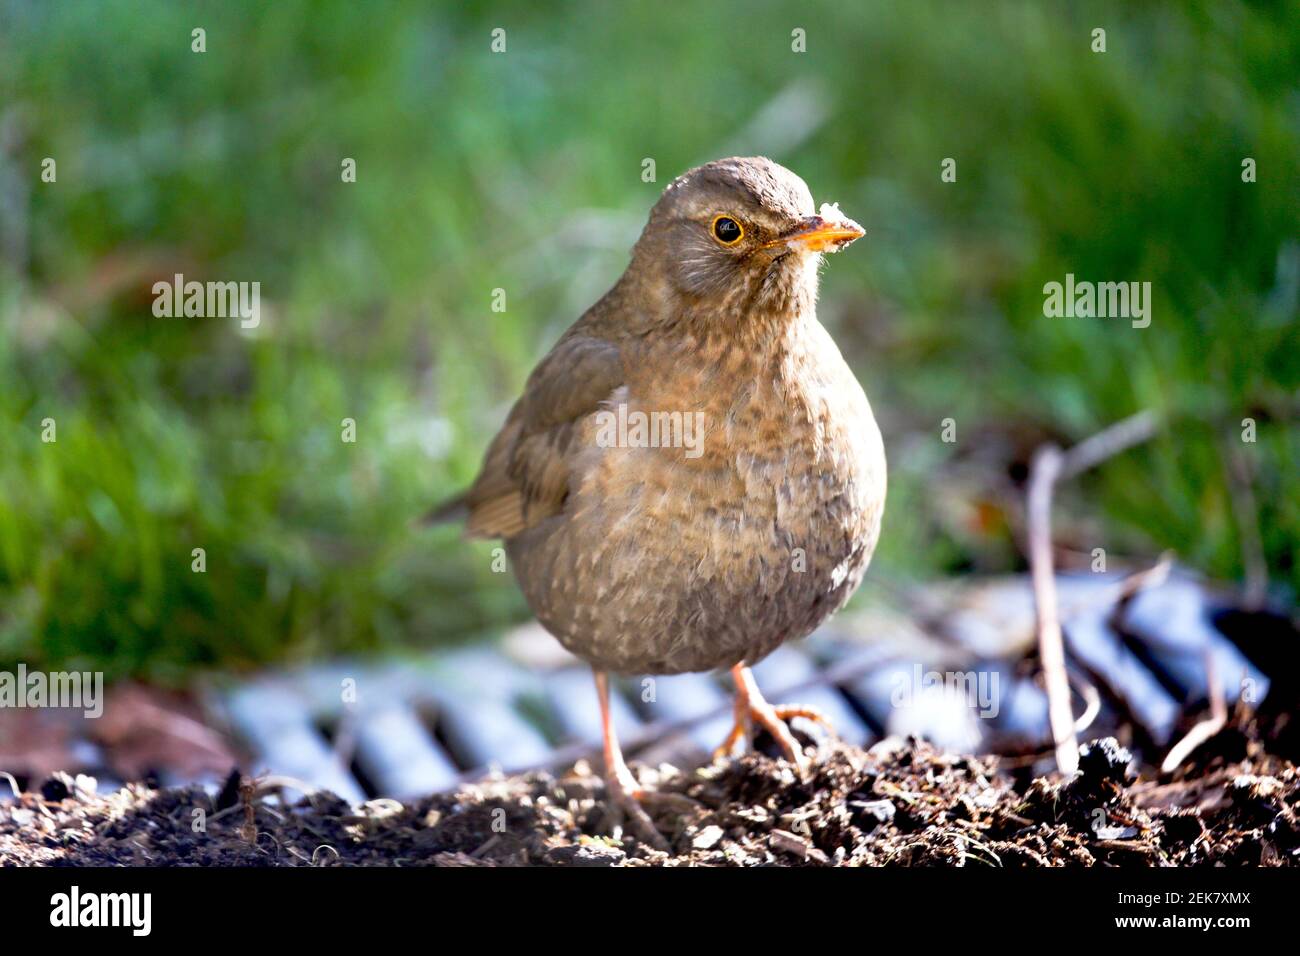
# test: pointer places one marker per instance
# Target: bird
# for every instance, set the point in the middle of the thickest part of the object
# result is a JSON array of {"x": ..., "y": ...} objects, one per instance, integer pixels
[{"x": 693, "y": 475}]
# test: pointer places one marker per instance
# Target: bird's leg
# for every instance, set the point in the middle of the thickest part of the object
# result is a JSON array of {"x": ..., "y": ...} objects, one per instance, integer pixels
[
  {"x": 752, "y": 706},
  {"x": 623, "y": 790}
]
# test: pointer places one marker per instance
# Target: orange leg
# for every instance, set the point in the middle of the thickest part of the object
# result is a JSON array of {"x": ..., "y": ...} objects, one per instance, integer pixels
[
  {"x": 623, "y": 790},
  {"x": 752, "y": 706}
]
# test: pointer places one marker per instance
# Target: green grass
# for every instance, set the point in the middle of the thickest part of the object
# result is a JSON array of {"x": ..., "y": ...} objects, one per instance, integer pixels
[{"x": 522, "y": 171}]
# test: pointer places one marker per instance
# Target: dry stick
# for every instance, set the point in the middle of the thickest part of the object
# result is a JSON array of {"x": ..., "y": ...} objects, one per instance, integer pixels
[
  {"x": 1109, "y": 442},
  {"x": 1051, "y": 465},
  {"x": 1091, "y": 707},
  {"x": 1045, "y": 469},
  {"x": 1208, "y": 727},
  {"x": 1151, "y": 577}
]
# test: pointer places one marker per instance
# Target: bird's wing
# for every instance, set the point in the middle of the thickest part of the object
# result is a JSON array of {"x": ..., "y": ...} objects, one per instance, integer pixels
[{"x": 525, "y": 474}]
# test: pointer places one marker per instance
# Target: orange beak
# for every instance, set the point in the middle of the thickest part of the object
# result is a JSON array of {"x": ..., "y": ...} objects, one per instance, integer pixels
[{"x": 821, "y": 233}]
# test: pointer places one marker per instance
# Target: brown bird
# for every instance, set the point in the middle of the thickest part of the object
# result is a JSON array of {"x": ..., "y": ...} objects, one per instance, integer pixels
[{"x": 693, "y": 475}]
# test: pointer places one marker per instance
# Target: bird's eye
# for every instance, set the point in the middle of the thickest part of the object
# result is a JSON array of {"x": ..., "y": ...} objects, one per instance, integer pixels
[{"x": 727, "y": 230}]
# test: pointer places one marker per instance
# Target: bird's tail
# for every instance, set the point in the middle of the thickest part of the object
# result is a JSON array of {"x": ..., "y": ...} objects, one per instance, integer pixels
[{"x": 454, "y": 509}]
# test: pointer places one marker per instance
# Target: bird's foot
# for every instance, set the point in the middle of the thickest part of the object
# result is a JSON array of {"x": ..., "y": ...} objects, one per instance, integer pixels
[
  {"x": 623, "y": 792},
  {"x": 626, "y": 797},
  {"x": 752, "y": 707}
]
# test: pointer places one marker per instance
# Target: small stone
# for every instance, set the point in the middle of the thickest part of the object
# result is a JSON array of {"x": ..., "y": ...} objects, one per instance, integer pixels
[
  {"x": 57, "y": 788},
  {"x": 707, "y": 838},
  {"x": 1115, "y": 833},
  {"x": 879, "y": 811},
  {"x": 884, "y": 749},
  {"x": 783, "y": 842},
  {"x": 1104, "y": 759},
  {"x": 1263, "y": 788},
  {"x": 585, "y": 854}
]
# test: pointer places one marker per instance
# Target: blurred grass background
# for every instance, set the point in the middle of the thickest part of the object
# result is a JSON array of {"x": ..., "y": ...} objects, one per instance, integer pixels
[{"x": 522, "y": 171}]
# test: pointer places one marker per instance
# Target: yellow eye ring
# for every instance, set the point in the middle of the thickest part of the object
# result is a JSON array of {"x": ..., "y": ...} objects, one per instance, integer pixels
[{"x": 727, "y": 230}]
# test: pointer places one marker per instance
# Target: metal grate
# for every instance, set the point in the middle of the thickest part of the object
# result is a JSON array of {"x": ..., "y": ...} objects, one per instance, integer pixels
[{"x": 417, "y": 726}]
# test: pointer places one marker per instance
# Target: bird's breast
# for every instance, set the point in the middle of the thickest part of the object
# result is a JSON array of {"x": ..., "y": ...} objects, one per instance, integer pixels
[
  {"x": 708, "y": 524},
  {"x": 787, "y": 470}
]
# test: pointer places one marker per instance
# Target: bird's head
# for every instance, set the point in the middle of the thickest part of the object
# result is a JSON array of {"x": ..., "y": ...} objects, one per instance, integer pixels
[{"x": 740, "y": 238}]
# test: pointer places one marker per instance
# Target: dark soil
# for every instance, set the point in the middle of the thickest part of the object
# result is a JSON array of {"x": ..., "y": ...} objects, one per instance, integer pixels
[{"x": 900, "y": 804}]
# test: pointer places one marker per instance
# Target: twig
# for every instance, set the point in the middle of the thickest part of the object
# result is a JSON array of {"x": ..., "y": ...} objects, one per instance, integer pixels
[
  {"x": 1109, "y": 442},
  {"x": 1207, "y": 728},
  {"x": 1050, "y": 465},
  {"x": 1151, "y": 577},
  {"x": 1092, "y": 706},
  {"x": 1051, "y": 650},
  {"x": 1115, "y": 595},
  {"x": 324, "y": 846}
]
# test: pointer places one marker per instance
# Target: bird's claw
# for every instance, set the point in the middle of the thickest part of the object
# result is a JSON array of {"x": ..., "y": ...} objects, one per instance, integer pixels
[
  {"x": 775, "y": 721},
  {"x": 751, "y": 707},
  {"x": 625, "y": 796}
]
